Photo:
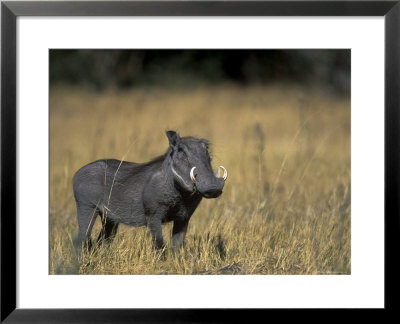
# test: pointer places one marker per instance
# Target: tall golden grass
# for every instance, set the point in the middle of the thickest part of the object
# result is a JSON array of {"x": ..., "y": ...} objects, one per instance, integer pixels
[{"x": 285, "y": 208}]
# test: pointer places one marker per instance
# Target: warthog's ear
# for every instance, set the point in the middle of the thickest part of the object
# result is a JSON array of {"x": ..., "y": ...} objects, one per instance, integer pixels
[{"x": 173, "y": 138}]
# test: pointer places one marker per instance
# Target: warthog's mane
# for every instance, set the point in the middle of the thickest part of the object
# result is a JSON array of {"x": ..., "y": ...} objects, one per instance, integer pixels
[{"x": 160, "y": 159}]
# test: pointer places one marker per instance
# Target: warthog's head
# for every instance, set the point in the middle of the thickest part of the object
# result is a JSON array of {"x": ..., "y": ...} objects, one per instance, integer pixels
[{"x": 190, "y": 163}]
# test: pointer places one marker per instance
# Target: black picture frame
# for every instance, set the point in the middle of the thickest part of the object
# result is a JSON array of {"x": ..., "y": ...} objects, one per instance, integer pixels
[{"x": 10, "y": 10}]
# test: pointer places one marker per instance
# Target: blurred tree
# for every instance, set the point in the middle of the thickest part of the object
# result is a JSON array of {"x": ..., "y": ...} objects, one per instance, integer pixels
[{"x": 102, "y": 69}]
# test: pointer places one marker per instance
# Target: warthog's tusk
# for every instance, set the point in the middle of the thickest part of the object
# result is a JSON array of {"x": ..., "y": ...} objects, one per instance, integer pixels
[
  {"x": 225, "y": 176},
  {"x": 192, "y": 175}
]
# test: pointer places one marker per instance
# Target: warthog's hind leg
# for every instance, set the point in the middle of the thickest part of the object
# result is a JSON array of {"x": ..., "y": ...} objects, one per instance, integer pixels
[{"x": 86, "y": 219}]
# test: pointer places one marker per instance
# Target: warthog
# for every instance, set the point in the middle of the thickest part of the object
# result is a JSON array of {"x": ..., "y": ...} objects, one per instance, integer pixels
[{"x": 167, "y": 188}]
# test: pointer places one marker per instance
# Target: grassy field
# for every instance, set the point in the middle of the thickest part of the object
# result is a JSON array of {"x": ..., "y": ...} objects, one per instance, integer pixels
[{"x": 285, "y": 208}]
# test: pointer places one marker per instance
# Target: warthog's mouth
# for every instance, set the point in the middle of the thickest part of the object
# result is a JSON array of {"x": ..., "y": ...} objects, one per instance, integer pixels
[{"x": 213, "y": 193}]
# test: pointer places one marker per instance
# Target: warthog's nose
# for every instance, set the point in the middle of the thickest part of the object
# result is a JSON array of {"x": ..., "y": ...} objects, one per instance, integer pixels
[{"x": 212, "y": 193}]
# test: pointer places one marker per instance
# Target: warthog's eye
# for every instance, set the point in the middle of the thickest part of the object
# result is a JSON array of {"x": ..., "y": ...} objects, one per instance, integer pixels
[{"x": 181, "y": 153}]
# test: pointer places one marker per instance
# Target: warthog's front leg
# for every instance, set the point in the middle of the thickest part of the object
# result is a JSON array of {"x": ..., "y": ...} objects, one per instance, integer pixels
[
  {"x": 154, "y": 225},
  {"x": 108, "y": 231},
  {"x": 179, "y": 232}
]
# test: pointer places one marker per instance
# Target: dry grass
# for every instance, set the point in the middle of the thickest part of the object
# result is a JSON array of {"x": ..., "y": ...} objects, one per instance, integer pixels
[{"x": 286, "y": 204}]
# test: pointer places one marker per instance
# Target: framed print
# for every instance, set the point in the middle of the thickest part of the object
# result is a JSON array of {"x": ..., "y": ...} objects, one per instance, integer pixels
[{"x": 186, "y": 157}]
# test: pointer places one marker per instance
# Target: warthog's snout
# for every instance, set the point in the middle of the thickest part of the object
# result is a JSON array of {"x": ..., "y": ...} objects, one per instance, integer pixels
[{"x": 209, "y": 187}]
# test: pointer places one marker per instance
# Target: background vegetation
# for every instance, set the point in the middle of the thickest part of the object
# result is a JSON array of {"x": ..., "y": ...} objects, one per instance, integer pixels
[{"x": 286, "y": 144}]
